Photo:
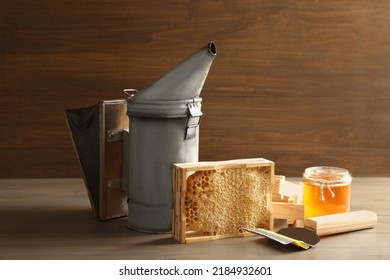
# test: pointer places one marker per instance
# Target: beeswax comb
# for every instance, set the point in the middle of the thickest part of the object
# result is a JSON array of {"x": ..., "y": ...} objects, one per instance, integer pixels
[{"x": 279, "y": 237}]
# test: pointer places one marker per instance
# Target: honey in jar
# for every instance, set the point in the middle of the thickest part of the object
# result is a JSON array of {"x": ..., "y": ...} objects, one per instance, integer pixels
[{"x": 326, "y": 190}]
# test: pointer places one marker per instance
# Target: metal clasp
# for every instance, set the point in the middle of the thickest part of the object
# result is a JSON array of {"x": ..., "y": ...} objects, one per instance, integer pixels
[
  {"x": 114, "y": 135},
  {"x": 193, "y": 120}
]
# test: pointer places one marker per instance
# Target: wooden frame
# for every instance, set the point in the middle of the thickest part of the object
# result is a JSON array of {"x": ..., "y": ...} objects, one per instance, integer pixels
[{"x": 180, "y": 175}]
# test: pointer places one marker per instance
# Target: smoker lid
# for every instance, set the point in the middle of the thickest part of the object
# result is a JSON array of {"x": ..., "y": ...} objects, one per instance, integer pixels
[{"x": 164, "y": 109}]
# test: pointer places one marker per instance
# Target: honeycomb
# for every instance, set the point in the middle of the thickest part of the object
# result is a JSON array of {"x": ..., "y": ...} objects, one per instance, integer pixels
[{"x": 222, "y": 201}]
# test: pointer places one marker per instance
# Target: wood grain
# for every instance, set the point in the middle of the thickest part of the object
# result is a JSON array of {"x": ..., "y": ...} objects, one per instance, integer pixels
[
  {"x": 52, "y": 219},
  {"x": 300, "y": 83}
]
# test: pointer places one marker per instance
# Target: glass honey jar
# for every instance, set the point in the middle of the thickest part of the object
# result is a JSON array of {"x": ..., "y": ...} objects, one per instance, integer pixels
[{"x": 326, "y": 190}]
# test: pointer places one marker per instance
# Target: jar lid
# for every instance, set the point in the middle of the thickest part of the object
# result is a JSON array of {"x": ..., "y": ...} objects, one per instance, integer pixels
[{"x": 327, "y": 175}]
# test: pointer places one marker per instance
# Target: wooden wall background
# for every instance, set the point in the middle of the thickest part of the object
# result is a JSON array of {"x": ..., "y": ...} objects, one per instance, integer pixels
[{"x": 301, "y": 83}]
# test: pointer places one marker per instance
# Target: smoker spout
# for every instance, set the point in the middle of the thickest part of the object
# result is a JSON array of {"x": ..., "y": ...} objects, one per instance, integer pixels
[{"x": 185, "y": 81}]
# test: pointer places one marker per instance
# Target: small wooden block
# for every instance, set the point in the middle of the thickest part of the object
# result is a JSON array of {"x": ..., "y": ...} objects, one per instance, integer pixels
[
  {"x": 284, "y": 199},
  {"x": 279, "y": 179},
  {"x": 289, "y": 211}
]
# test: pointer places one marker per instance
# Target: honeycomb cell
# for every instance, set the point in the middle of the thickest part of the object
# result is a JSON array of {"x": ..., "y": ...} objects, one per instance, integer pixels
[{"x": 224, "y": 201}]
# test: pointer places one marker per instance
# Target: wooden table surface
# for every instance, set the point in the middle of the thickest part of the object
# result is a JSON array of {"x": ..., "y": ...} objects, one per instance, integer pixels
[{"x": 52, "y": 219}]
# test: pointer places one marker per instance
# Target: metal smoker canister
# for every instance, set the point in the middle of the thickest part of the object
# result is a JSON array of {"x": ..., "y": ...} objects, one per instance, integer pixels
[{"x": 164, "y": 129}]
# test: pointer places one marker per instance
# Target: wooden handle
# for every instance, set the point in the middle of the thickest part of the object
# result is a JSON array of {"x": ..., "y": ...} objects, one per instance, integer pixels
[{"x": 337, "y": 223}]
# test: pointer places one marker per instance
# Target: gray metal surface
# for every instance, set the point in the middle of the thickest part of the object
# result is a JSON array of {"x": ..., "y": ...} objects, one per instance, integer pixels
[{"x": 164, "y": 129}]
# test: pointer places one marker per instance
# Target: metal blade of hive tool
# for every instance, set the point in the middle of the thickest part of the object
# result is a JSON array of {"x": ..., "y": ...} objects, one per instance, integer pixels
[{"x": 279, "y": 237}]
